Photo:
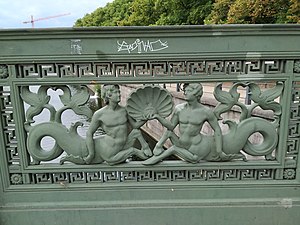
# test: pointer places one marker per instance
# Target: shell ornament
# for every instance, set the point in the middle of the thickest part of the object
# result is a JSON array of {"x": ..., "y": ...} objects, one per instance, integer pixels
[{"x": 149, "y": 100}]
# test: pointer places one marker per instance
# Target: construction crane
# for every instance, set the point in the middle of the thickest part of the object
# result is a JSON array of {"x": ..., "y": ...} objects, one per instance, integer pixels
[{"x": 32, "y": 21}]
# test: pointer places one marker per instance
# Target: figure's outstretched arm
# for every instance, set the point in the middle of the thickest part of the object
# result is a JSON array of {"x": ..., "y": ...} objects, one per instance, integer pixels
[
  {"x": 170, "y": 125},
  {"x": 166, "y": 123},
  {"x": 136, "y": 124}
]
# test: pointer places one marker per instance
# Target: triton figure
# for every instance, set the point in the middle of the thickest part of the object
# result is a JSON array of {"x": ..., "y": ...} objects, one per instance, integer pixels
[
  {"x": 191, "y": 145},
  {"x": 116, "y": 145}
]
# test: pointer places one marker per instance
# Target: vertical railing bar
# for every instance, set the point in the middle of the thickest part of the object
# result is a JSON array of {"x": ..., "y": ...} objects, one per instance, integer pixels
[
  {"x": 3, "y": 153},
  {"x": 18, "y": 107},
  {"x": 284, "y": 122}
]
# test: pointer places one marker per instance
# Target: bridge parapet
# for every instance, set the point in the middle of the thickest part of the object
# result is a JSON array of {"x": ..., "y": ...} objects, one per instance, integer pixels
[{"x": 102, "y": 175}]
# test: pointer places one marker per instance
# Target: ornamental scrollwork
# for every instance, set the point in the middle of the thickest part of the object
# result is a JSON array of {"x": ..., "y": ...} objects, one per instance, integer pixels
[{"x": 38, "y": 102}]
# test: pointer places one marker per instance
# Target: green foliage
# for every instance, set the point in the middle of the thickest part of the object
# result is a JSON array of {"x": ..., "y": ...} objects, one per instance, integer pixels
[
  {"x": 257, "y": 11},
  {"x": 183, "y": 12},
  {"x": 219, "y": 12},
  {"x": 254, "y": 11},
  {"x": 293, "y": 14},
  {"x": 143, "y": 13},
  {"x": 148, "y": 12},
  {"x": 112, "y": 14},
  {"x": 192, "y": 12}
]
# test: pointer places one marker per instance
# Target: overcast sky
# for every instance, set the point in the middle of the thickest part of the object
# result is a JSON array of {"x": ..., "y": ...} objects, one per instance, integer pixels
[{"x": 14, "y": 12}]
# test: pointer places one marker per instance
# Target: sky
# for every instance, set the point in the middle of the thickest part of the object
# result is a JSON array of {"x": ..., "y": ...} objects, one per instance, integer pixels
[{"x": 14, "y": 12}]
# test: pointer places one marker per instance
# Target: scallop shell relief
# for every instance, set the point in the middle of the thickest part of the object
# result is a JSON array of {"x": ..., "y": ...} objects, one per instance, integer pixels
[{"x": 149, "y": 100}]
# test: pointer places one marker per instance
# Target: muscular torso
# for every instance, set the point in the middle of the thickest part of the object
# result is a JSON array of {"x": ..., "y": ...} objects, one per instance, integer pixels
[
  {"x": 114, "y": 123},
  {"x": 190, "y": 124}
]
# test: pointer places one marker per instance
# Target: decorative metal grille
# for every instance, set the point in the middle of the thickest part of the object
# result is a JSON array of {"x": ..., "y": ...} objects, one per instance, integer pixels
[
  {"x": 198, "y": 173},
  {"x": 151, "y": 68}
]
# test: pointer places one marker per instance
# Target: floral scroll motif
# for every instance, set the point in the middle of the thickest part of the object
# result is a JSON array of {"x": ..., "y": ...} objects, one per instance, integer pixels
[{"x": 39, "y": 101}]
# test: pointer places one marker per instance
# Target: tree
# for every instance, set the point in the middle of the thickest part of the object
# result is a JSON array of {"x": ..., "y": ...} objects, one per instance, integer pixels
[
  {"x": 148, "y": 12},
  {"x": 293, "y": 14},
  {"x": 258, "y": 11},
  {"x": 219, "y": 12},
  {"x": 143, "y": 13},
  {"x": 192, "y": 12},
  {"x": 183, "y": 12},
  {"x": 113, "y": 14},
  {"x": 254, "y": 11}
]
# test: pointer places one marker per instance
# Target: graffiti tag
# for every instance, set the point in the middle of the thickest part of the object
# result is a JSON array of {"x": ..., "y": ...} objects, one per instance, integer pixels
[{"x": 142, "y": 46}]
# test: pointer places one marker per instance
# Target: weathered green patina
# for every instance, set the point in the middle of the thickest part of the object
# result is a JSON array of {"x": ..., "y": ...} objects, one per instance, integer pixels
[{"x": 197, "y": 177}]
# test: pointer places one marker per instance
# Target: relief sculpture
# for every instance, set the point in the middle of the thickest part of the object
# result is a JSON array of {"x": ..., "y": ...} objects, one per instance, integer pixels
[
  {"x": 115, "y": 146},
  {"x": 192, "y": 146},
  {"x": 121, "y": 125}
]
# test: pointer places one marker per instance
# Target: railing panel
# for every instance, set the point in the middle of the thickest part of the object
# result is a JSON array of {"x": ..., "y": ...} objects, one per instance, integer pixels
[{"x": 244, "y": 82}]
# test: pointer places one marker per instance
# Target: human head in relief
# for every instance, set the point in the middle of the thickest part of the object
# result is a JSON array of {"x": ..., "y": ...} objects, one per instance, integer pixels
[{"x": 109, "y": 91}]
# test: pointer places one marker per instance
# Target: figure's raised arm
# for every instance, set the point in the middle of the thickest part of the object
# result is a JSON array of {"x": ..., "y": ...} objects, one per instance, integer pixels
[
  {"x": 135, "y": 124},
  {"x": 170, "y": 125}
]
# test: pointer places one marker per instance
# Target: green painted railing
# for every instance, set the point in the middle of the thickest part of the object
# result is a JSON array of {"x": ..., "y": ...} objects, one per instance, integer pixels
[{"x": 50, "y": 174}]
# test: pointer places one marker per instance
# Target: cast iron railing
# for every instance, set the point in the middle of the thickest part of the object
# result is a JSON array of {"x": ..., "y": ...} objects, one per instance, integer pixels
[{"x": 66, "y": 62}]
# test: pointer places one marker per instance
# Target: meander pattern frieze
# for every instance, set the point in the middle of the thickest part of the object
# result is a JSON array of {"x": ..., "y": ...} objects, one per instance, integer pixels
[
  {"x": 9, "y": 126},
  {"x": 293, "y": 133},
  {"x": 64, "y": 178},
  {"x": 151, "y": 68},
  {"x": 146, "y": 170}
]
